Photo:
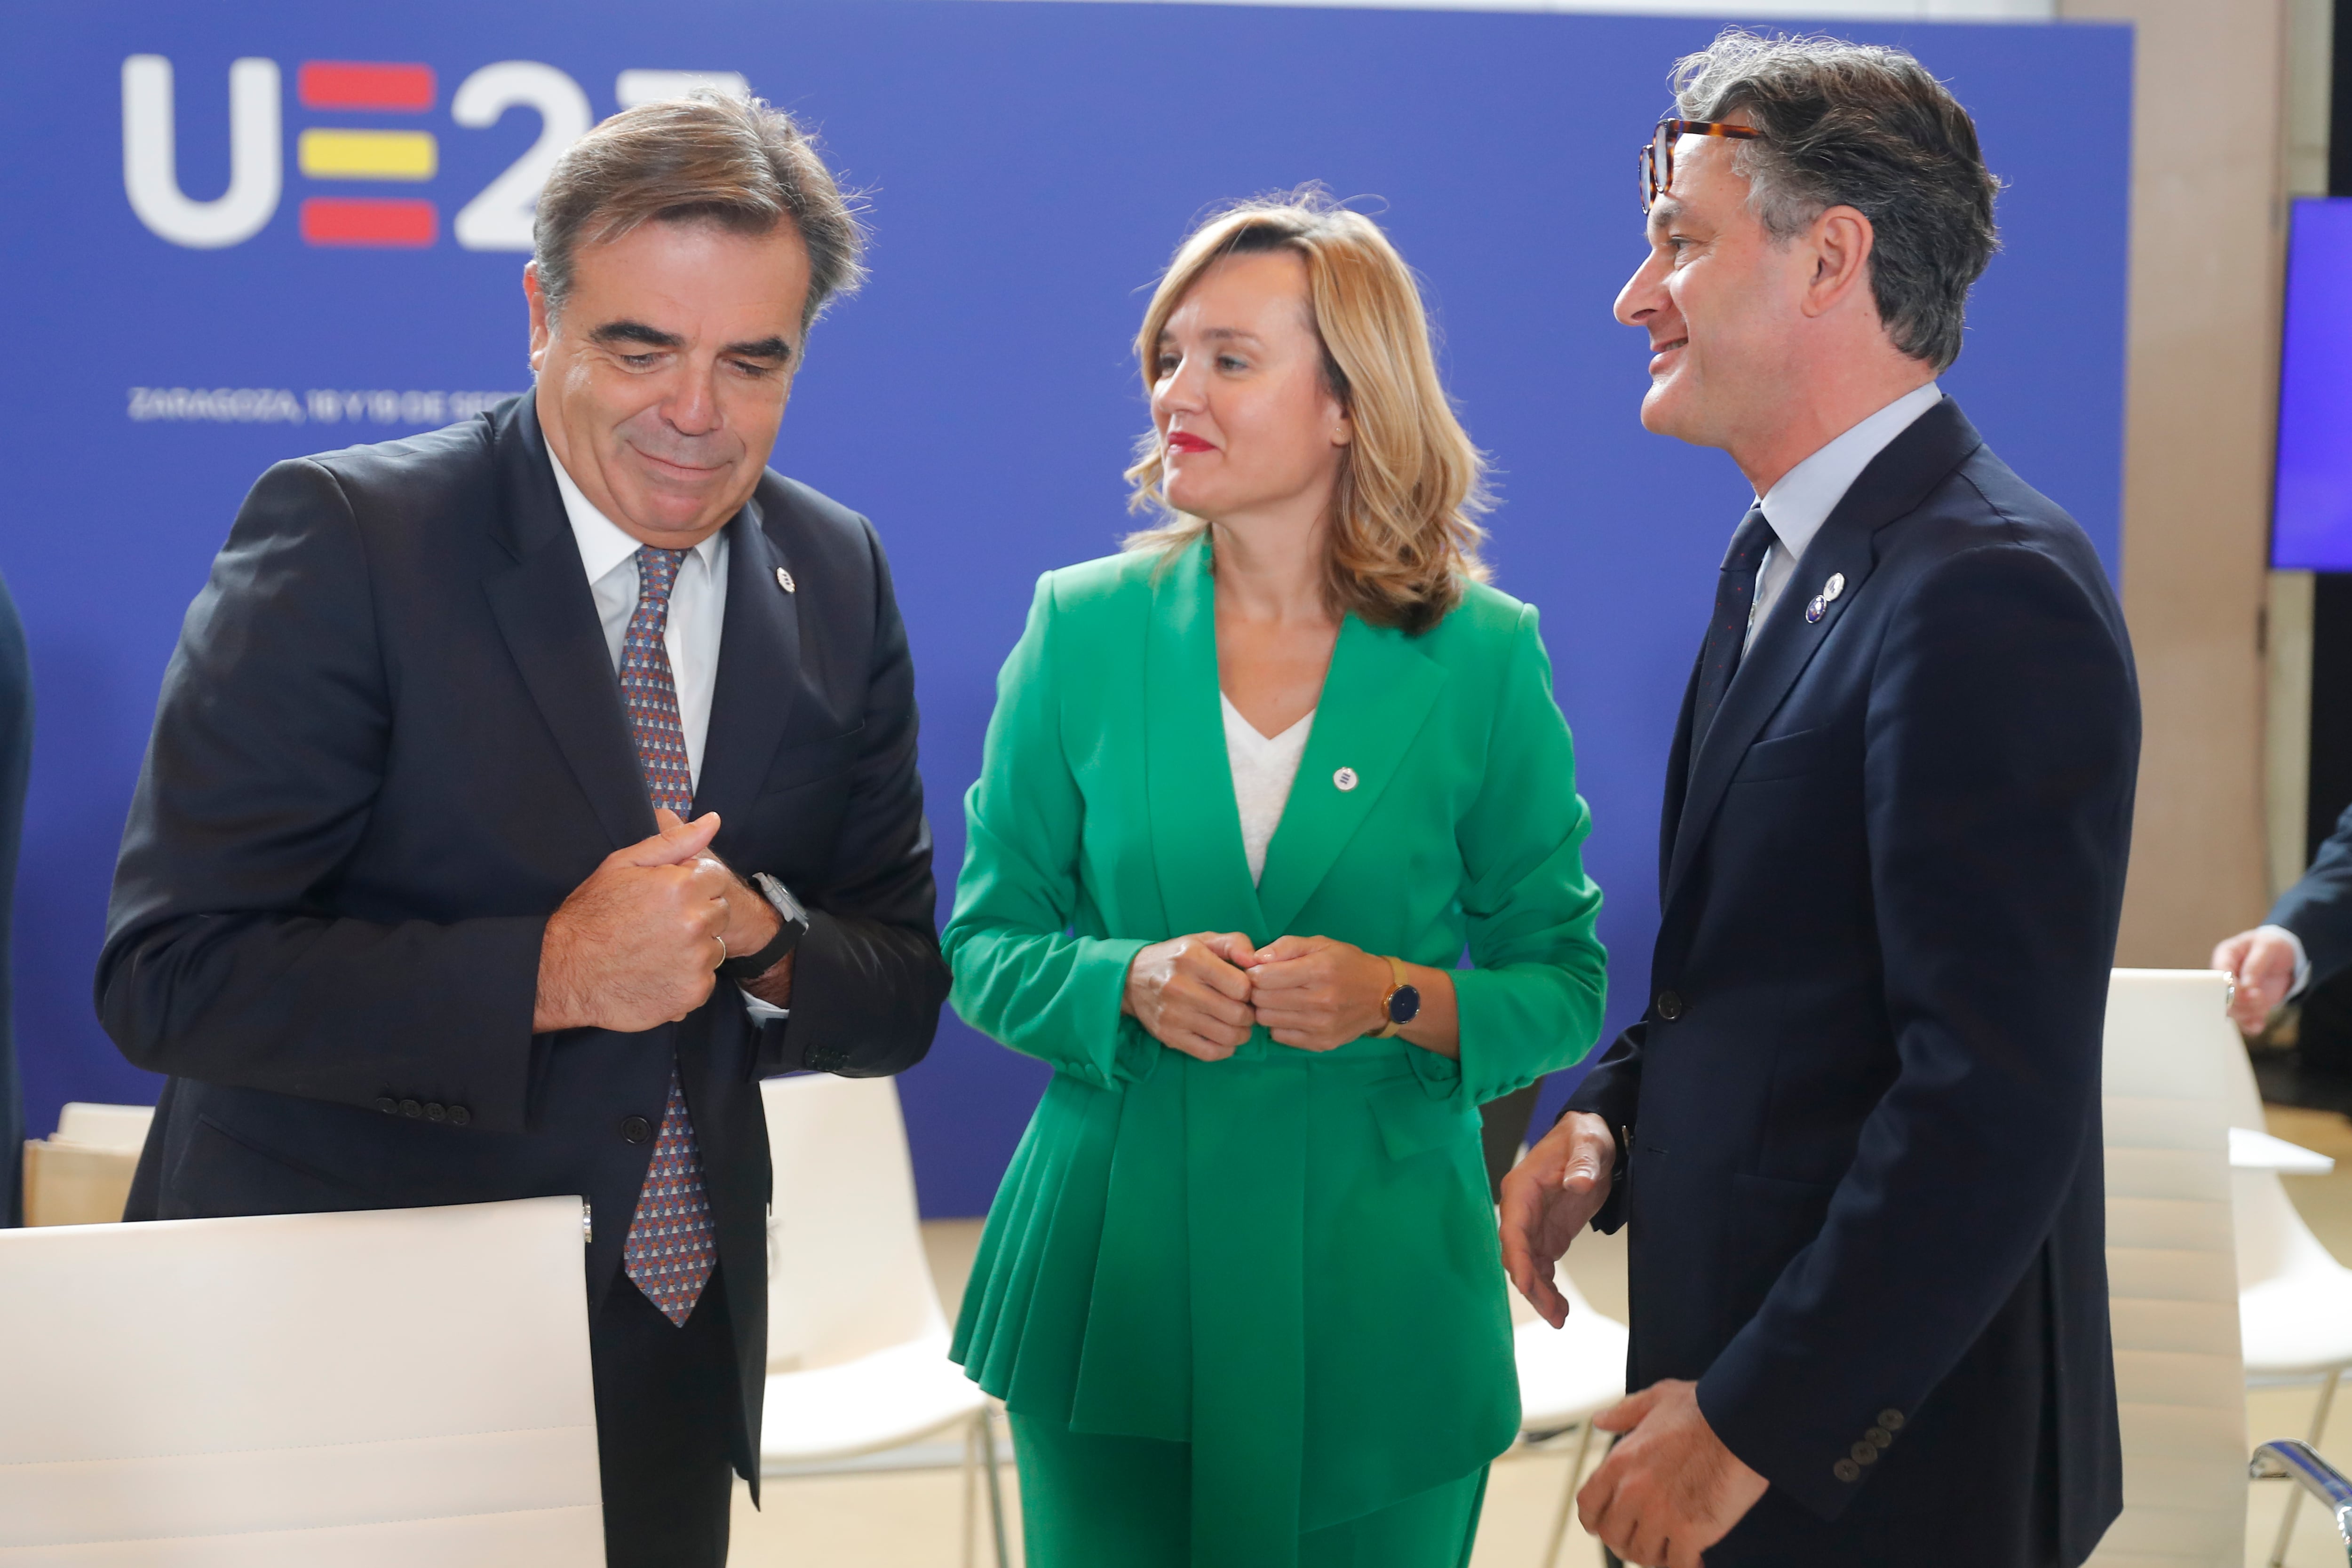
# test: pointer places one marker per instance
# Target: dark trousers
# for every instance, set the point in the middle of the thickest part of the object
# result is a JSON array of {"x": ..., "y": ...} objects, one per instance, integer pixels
[{"x": 665, "y": 1398}]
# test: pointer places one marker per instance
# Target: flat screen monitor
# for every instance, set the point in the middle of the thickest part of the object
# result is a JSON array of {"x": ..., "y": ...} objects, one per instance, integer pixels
[{"x": 2311, "y": 529}]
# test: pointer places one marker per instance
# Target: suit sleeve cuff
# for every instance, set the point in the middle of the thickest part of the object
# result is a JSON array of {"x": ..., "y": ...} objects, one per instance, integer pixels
[{"x": 2302, "y": 959}]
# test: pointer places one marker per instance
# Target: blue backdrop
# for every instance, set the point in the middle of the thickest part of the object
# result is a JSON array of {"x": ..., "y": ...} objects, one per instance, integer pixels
[{"x": 1030, "y": 165}]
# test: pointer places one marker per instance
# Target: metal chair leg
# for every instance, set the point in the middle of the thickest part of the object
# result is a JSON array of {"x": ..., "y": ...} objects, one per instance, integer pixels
[
  {"x": 1568, "y": 1497},
  {"x": 995, "y": 1490},
  {"x": 970, "y": 1483},
  {"x": 2294, "y": 1497}
]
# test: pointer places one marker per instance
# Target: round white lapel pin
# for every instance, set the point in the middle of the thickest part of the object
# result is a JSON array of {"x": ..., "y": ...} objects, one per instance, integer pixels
[
  {"x": 784, "y": 580},
  {"x": 1345, "y": 778},
  {"x": 1833, "y": 587}
]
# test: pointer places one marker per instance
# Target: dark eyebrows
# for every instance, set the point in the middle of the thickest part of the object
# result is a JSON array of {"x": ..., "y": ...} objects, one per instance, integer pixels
[
  {"x": 635, "y": 333},
  {"x": 770, "y": 347},
  {"x": 1663, "y": 211},
  {"x": 615, "y": 332}
]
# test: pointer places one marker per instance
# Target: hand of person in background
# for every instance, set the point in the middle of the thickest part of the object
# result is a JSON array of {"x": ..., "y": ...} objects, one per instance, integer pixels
[
  {"x": 2263, "y": 963},
  {"x": 1547, "y": 1198},
  {"x": 1669, "y": 1489},
  {"x": 1191, "y": 993},
  {"x": 635, "y": 945},
  {"x": 1316, "y": 994}
]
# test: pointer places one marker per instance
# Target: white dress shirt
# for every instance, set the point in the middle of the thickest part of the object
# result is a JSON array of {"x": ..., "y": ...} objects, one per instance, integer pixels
[
  {"x": 1802, "y": 501},
  {"x": 1264, "y": 770},
  {"x": 698, "y": 619},
  {"x": 698, "y": 606}
]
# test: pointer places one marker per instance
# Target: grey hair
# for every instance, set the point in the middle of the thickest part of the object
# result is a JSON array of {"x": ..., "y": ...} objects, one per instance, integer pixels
[
  {"x": 1861, "y": 126},
  {"x": 708, "y": 157}
]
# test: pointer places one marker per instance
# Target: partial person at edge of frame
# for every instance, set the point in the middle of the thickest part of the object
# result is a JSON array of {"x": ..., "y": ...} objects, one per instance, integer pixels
[
  {"x": 1250, "y": 790},
  {"x": 1855, "y": 1138}
]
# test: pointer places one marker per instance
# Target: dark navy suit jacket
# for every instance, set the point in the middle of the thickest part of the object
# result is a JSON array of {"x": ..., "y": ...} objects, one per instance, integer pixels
[
  {"x": 1864, "y": 1167},
  {"x": 2318, "y": 907},
  {"x": 389, "y": 745}
]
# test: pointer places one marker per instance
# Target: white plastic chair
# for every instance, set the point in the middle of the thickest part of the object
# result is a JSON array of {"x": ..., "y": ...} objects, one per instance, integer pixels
[
  {"x": 857, "y": 1348},
  {"x": 2172, "y": 1274},
  {"x": 2294, "y": 1299},
  {"x": 1567, "y": 1376},
  {"x": 372, "y": 1390}
]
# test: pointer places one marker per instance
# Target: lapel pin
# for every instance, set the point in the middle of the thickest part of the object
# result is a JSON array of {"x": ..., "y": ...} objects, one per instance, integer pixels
[
  {"x": 1833, "y": 587},
  {"x": 784, "y": 579},
  {"x": 1345, "y": 778},
  {"x": 1814, "y": 612}
]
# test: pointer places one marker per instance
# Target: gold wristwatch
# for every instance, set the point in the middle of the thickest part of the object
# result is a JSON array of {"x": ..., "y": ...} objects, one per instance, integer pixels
[{"x": 1400, "y": 1005}]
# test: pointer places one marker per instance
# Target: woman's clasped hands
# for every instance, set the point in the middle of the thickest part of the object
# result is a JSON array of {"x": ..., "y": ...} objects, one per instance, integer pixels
[{"x": 1201, "y": 994}]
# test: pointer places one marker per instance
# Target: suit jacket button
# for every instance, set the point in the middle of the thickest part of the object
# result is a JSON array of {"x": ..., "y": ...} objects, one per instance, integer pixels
[
  {"x": 1891, "y": 1419},
  {"x": 1846, "y": 1470},
  {"x": 436, "y": 1111},
  {"x": 1670, "y": 1005},
  {"x": 637, "y": 1129},
  {"x": 411, "y": 1108},
  {"x": 1864, "y": 1454},
  {"x": 459, "y": 1116},
  {"x": 387, "y": 1104},
  {"x": 1878, "y": 1437}
]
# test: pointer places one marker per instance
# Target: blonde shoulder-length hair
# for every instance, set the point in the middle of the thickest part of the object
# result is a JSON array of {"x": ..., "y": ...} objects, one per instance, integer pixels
[{"x": 1404, "y": 530}]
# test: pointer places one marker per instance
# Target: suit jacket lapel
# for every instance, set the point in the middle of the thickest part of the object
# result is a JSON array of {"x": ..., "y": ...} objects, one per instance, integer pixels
[
  {"x": 548, "y": 616},
  {"x": 1196, "y": 828},
  {"x": 1375, "y": 700},
  {"x": 1897, "y": 480},
  {"x": 759, "y": 660}
]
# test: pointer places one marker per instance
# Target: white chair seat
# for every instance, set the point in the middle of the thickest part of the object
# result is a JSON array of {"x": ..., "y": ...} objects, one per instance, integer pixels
[
  {"x": 878, "y": 1402},
  {"x": 1571, "y": 1373},
  {"x": 2299, "y": 1323}
]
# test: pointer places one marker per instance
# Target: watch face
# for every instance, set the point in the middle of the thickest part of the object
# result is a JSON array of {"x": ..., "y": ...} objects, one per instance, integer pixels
[{"x": 1404, "y": 1003}]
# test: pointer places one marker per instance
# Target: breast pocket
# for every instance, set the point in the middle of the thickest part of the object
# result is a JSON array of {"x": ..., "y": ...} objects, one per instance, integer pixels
[
  {"x": 808, "y": 761},
  {"x": 1790, "y": 756}
]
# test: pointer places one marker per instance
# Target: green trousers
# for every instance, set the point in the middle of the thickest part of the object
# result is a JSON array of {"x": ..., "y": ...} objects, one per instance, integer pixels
[{"x": 1090, "y": 1501}]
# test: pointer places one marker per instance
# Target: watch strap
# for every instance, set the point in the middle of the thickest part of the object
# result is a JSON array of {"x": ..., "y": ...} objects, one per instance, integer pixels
[
  {"x": 792, "y": 925},
  {"x": 1397, "y": 981}
]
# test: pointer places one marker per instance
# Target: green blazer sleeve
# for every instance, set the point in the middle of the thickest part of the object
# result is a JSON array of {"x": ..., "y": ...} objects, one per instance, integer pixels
[
  {"x": 1020, "y": 976},
  {"x": 1532, "y": 1005}
]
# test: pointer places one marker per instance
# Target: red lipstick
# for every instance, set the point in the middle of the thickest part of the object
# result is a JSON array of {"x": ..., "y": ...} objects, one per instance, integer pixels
[{"x": 1185, "y": 441}]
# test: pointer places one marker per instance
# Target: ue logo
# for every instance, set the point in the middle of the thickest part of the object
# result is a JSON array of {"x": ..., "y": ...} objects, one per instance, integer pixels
[{"x": 498, "y": 217}]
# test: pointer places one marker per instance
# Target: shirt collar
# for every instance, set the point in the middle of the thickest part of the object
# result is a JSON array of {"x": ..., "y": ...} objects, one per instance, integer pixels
[
  {"x": 1802, "y": 501},
  {"x": 603, "y": 545}
]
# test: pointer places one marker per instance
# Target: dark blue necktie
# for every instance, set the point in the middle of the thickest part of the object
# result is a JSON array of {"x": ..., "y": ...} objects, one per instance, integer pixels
[{"x": 1727, "y": 634}]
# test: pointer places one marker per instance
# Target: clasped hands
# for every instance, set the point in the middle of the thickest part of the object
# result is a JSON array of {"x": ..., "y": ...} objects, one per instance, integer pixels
[
  {"x": 637, "y": 943},
  {"x": 1669, "y": 1489},
  {"x": 1201, "y": 994}
]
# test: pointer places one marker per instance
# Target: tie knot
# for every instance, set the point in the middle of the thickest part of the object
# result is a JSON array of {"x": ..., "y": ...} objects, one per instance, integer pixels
[
  {"x": 1748, "y": 543},
  {"x": 656, "y": 571}
]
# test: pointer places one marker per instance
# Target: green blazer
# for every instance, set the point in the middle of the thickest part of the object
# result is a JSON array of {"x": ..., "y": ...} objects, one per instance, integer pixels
[{"x": 1287, "y": 1260}]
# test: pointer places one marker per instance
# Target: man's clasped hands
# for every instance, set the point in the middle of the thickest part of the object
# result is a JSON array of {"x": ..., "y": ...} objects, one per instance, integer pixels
[{"x": 1201, "y": 994}]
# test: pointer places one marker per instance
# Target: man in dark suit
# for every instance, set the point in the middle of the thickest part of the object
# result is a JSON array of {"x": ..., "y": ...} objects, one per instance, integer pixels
[
  {"x": 410, "y": 906},
  {"x": 1856, "y": 1136},
  {"x": 2304, "y": 944}
]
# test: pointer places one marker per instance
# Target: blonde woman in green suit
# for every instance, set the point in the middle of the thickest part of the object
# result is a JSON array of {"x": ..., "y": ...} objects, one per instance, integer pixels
[{"x": 1251, "y": 790}]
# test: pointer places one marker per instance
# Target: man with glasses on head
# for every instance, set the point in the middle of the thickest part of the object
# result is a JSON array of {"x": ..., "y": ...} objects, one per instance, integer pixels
[{"x": 1856, "y": 1135}]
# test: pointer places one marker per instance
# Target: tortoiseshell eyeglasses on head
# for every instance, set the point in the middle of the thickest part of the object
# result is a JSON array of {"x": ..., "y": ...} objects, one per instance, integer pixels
[{"x": 1658, "y": 152}]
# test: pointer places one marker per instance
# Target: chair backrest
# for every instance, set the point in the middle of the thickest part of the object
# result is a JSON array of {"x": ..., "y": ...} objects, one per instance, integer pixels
[
  {"x": 846, "y": 1272},
  {"x": 122, "y": 1128},
  {"x": 401, "y": 1386},
  {"x": 2172, "y": 1274},
  {"x": 2272, "y": 1239}
]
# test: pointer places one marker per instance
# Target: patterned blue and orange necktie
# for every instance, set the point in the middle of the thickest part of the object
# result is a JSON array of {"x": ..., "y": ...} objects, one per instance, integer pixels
[{"x": 669, "y": 1253}]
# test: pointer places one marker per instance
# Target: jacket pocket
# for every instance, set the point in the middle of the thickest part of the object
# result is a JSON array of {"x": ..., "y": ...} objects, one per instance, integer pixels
[
  {"x": 220, "y": 1173},
  {"x": 1411, "y": 1123},
  {"x": 1772, "y": 1222},
  {"x": 1788, "y": 755}
]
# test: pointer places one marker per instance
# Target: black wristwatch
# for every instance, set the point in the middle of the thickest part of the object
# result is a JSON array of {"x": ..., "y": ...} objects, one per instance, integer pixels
[{"x": 792, "y": 924}]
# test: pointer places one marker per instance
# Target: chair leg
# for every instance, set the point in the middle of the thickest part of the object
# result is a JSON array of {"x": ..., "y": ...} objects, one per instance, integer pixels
[
  {"x": 1568, "y": 1497},
  {"x": 995, "y": 1491},
  {"x": 2295, "y": 1494},
  {"x": 970, "y": 1484}
]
